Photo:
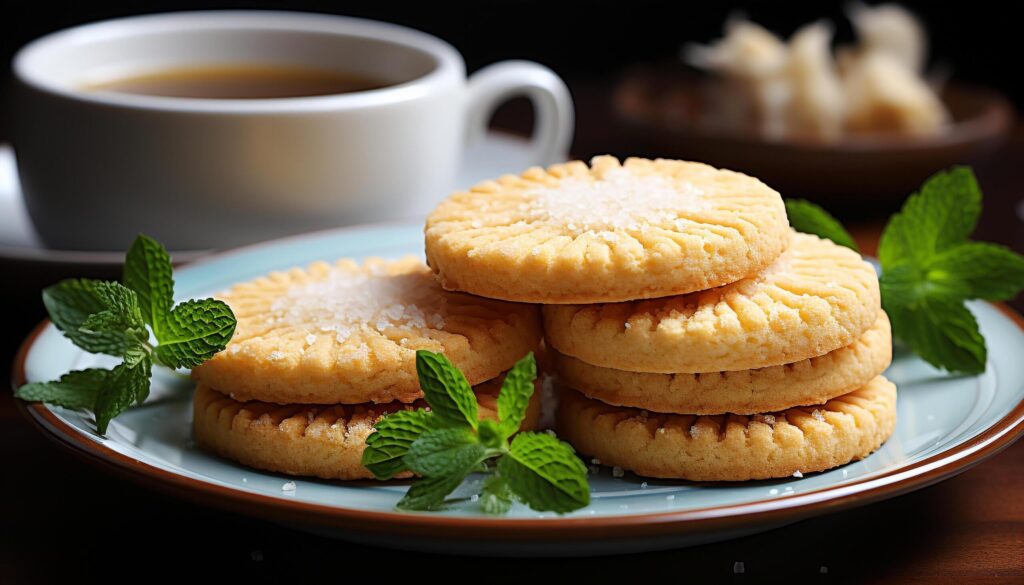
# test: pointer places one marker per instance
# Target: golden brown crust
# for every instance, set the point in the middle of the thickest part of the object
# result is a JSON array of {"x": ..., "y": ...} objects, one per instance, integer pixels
[
  {"x": 816, "y": 298},
  {"x": 731, "y": 447},
  {"x": 325, "y": 441},
  {"x": 606, "y": 233},
  {"x": 348, "y": 334},
  {"x": 807, "y": 382}
]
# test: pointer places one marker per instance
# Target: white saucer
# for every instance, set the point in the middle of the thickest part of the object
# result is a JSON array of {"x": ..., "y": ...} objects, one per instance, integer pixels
[{"x": 21, "y": 249}]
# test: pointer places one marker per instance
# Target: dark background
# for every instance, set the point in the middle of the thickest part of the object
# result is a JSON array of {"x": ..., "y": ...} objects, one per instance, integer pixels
[{"x": 66, "y": 521}]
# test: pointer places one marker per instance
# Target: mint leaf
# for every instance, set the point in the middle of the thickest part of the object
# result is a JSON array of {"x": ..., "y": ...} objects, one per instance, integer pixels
[
  {"x": 120, "y": 317},
  {"x": 107, "y": 317},
  {"x": 490, "y": 435},
  {"x": 978, "y": 270},
  {"x": 943, "y": 333},
  {"x": 929, "y": 268},
  {"x": 943, "y": 213},
  {"x": 194, "y": 331},
  {"x": 446, "y": 389},
  {"x": 76, "y": 389},
  {"x": 394, "y": 434},
  {"x": 545, "y": 473},
  {"x": 444, "y": 452},
  {"x": 123, "y": 387},
  {"x": 71, "y": 303},
  {"x": 148, "y": 272},
  {"x": 902, "y": 285},
  {"x": 495, "y": 496},
  {"x": 139, "y": 359},
  {"x": 514, "y": 397},
  {"x": 810, "y": 218},
  {"x": 448, "y": 443},
  {"x": 429, "y": 493}
]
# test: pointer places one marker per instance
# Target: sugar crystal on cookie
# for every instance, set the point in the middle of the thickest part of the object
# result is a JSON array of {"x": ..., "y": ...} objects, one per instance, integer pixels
[
  {"x": 346, "y": 302},
  {"x": 619, "y": 200}
]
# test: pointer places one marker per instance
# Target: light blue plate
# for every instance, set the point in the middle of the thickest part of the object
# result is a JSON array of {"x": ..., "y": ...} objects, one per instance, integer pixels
[{"x": 946, "y": 424}]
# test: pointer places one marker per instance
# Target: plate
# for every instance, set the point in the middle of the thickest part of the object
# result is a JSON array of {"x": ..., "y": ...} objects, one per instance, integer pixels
[{"x": 946, "y": 424}]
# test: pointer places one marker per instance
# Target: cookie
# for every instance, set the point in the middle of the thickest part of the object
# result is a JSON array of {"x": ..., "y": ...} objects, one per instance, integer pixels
[
  {"x": 325, "y": 441},
  {"x": 605, "y": 233},
  {"x": 810, "y": 381},
  {"x": 731, "y": 447},
  {"x": 348, "y": 334},
  {"x": 815, "y": 298}
]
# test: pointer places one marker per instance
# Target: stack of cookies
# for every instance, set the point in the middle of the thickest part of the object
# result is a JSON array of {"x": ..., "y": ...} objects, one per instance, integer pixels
[
  {"x": 695, "y": 335},
  {"x": 320, "y": 354}
]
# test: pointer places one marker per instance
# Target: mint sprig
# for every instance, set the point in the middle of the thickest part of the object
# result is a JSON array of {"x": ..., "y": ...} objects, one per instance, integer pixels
[
  {"x": 112, "y": 318},
  {"x": 446, "y": 443},
  {"x": 930, "y": 268}
]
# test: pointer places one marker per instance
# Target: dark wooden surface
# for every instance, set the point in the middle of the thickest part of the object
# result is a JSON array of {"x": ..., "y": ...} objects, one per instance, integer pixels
[{"x": 63, "y": 520}]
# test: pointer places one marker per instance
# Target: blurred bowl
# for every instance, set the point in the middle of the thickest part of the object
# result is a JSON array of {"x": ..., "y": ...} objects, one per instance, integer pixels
[{"x": 659, "y": 106}]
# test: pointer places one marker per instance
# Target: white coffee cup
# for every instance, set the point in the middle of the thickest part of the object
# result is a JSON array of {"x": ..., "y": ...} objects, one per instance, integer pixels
[{"x": 99, "y": 167}]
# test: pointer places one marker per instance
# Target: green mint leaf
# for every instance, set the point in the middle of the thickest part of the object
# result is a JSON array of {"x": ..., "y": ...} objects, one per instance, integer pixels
[
  {"x": 444, "y": 452},
  {"x": 496, "y": 496},
  {"x": 194, "y": 331},
  {"x": 446, "y": 389},
  {"x": 978, "y": 270},
  {"x": 929, "y": 268},
  {"x": 76, "y": 389},
  {"x": 136, "y": 358},
  {"x": 902, "y": 285},
  {"x": 393, "y": 435},
  {"x": 148, "y": 272},
  {"x": 490, "y": 434},
  {"x": 514, "y": 398},
  {"x": 811, "y": 218},
  {"x": 111, "y": 318},
  {"x": 942, "y": 214},
  {"x": 429, "y": 493},
  {"x": 545, "y": 473},
  {"x": 135, "y": 355},
  {"x": 124, "y": 386},
  {"x": 121, "y": 317},
  {"x": 943, "y": 333},
  {"x": 74, "y": 303}
]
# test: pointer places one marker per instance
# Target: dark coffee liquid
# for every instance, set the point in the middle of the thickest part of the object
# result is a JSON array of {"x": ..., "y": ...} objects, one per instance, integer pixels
[{"x": 240, "y": 82}]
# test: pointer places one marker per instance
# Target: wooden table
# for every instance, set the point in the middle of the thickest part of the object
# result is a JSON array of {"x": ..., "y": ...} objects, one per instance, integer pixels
[{"x": 63, "y": 519}]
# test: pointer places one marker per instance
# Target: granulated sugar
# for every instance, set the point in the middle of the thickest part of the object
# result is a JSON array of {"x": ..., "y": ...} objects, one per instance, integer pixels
[
  {"x": 345, "y": 303},
  {"x": 620, "y": 200}
]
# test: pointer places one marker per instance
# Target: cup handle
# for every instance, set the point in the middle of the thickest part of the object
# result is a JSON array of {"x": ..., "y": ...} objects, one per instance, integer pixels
[{"x": 552, "y": 104}]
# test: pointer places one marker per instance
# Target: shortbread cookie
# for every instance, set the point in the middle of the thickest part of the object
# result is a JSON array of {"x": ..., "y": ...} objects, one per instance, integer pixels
[
  {"x": 731, "y": 447},
  {"x": 604, "y": 233},
  {"x": 816, "y": 298},
  {"x": 325, "y": 441},
  {"x": 810, "y": 381},
  {"x": 348, "y": 334}
]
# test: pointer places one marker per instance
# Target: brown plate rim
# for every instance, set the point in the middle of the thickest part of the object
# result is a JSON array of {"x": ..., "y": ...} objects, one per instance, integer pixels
[{"x": 737, "y": 516}]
